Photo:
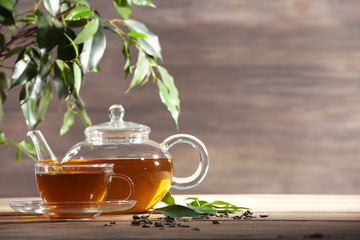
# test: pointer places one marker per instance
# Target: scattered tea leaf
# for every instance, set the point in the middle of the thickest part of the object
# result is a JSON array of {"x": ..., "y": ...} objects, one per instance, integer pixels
[{"x": 177, "y": 211}]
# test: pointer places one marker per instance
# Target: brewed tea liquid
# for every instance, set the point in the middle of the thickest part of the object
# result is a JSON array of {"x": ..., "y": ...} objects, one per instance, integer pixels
[
  {"x": 152, "y": 179},
  {"x": 75, "y": 186}
]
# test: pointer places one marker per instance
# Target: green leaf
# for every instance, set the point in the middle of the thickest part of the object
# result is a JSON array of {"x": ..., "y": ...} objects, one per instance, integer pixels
[
  {"x": 26, "y": 66},
  {"x": 77, "y": 23},
  {"x": 17, "y": 155},
  {"x": 79, "y": 13},
  {"x": 28, "y": 110},
  {"x": 2, "y": 42},
  {"x": 177, "y": 211},
  {"x": 60, "y": 86},
  {"x": 168, "y": 199},
  {"x": 123, "y": 7},
  {"x": 2, "y": 137},
  {"x": 125, "y": 52},
  {"x": 28, "y": 146},
  {"x": 147, "y": 3},
  {"x": 44, "y": 103},
  {"x": 4, "y": 81},
  {"x": 7, "y": 13},
  {"x": 38, "y": 84},
  {"x": 67, "y": 50},
  {"x": 52, "y": 6},
  {"x": 136, "y": 35},
  {"x": 67, "y": 122},
  {"x": 89, "y": 30},
  {"x": 20, "y": 149},
  {"x": 168, "y": 93},
  {"x": 82, "y": 111},
  {"x": 92, "y": 51},
  {"x": 1, "y": 106},
  {"x": 67, "y": 74},
  {"x": 151, "y": 44},
  {"x": 13, "y": 51},
  {"x": 142, "y": 69},
  {"x": 30, "y": 19},
  {"x": 202, "y": 210},
  {"x": 49, "y": 32},
  {"x": 77, "y": 77},
  {"x": 83, "y": 2}
]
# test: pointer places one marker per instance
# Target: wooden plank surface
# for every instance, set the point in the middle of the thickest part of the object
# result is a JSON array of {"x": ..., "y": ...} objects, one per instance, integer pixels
[
  {"x": 276, "y": 217},
  {"x": 271, "y": 87}
]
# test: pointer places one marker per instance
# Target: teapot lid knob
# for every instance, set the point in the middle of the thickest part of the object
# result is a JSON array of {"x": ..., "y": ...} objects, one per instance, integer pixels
[{"x": 116, "y": 113}]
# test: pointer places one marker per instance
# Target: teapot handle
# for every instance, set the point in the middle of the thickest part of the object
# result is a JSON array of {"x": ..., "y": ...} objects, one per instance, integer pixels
[{"x": 198, "y": 176}]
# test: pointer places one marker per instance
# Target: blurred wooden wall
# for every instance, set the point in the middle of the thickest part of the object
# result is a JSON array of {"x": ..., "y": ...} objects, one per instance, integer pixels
[{"x": 271, "y": 87}]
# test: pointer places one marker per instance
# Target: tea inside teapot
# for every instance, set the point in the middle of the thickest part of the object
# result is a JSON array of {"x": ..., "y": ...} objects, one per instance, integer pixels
[{"x": 152, "y": 179}]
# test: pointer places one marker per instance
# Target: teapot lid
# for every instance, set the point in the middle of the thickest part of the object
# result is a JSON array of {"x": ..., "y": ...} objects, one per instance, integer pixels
[{"x": 117, "y": 127}]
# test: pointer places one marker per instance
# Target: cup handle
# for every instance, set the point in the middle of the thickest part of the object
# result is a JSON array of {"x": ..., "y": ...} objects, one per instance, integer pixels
[
  {"x": 128, "y": 180},
  {"x": 199, "y": 175}
]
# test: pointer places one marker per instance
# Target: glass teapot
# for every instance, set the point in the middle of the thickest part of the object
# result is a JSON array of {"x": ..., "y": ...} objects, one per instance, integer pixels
[{"x": 127, "y": 145}]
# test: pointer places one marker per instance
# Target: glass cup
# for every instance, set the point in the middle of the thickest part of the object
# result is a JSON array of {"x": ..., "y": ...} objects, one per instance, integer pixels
[{"x": 76, "y": 186}]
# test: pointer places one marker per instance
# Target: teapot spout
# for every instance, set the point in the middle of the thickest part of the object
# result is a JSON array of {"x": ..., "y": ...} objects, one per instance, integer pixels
[{"x": 44, "y": 152}]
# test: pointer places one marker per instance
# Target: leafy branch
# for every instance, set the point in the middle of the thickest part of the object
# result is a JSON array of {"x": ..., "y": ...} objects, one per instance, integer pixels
[{"x": 57, "y": 42}]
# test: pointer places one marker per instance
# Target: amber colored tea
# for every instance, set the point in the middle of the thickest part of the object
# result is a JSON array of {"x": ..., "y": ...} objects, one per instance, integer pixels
[
  {"x": 152, "y": 179},
  {"x": 73, "y": 186}
]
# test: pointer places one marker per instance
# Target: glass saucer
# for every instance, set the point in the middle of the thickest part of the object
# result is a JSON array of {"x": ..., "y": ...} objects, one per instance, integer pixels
[{"x": 71, "y": 210}]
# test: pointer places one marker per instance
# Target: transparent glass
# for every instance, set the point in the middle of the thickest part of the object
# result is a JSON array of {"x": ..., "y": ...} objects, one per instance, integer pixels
[{"x": 149, "y": 164}]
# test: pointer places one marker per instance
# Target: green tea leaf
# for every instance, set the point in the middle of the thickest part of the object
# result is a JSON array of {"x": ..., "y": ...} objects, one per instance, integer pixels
[
  {"x": 202, "y": 210},
  {"x": 52, "y": 6},
  {"x": 168, "y": 199},
  {"x": 147, "y": 3},
  {"x": 89, "y": 30},
  {"x": 151, "y": 44},
  {"x": 142, "y": 69},
  {"x": 123, "y": 7},
  {"x": 79, "y": 13},
  {"x": 67, "y": 122},
  {"x": 177, "y": 211},
  {"x": 93, "y": 51},
  {"x": 200, "y": 203},
  {"x": 26, "y": 66}
]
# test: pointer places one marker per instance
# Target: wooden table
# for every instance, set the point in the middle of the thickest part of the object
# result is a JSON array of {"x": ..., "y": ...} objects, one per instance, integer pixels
[{"x": 276, "y": 217}]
